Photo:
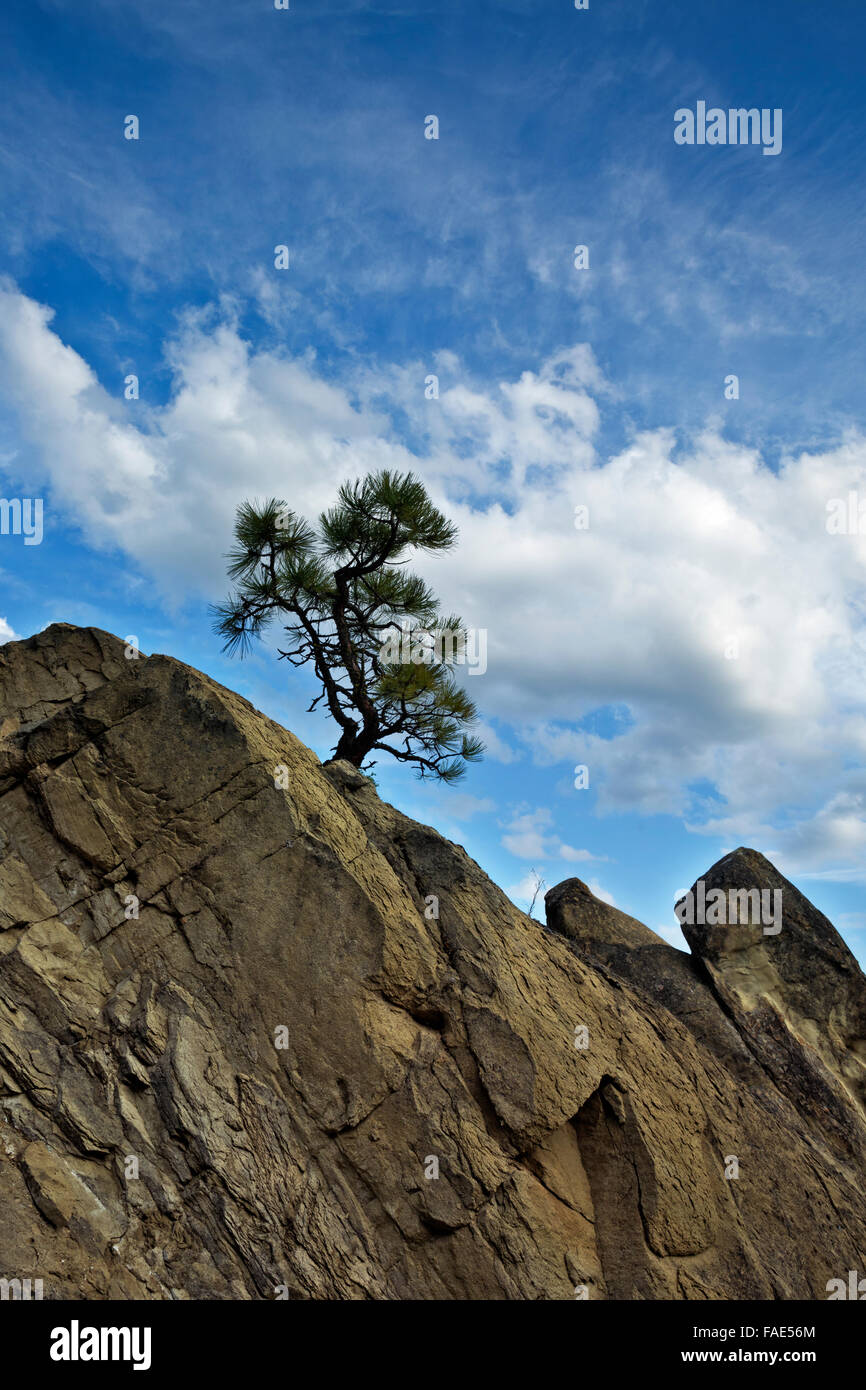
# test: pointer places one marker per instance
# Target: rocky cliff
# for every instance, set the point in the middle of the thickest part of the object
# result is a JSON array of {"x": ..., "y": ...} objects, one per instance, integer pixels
[{"x": 259, "y": 1031}]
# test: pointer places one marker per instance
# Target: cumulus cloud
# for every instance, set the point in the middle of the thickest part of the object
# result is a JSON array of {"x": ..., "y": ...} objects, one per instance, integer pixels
[
  {"x": 705, "y": 598},
  {"x": 527, "y": 837},
  {"x": 6, "y": 633},
  {"x": 494, "y": 746}
]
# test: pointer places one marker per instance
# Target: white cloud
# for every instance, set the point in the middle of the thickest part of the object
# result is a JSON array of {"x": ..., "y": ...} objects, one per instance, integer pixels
[
  {"x": 494, "y": 746},
  {"x": 6, "y": 633},
  {"x": 574, "y": 856},
  {"x": 526, "y": 837}
]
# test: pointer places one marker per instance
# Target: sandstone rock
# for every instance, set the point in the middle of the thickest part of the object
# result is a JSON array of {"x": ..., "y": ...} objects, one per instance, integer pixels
[
  {"x": 594, "y": 926},
  {"x": 794, "y": 987},
  {"x": 256, "y": 1039}
]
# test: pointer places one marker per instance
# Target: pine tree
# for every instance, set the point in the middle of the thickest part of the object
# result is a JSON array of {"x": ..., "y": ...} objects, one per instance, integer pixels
[{"x": 379, "y": 646}]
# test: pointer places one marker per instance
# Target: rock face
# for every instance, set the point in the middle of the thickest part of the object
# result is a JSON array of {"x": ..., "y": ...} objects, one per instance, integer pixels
[{"x": 248, "y": 1012}]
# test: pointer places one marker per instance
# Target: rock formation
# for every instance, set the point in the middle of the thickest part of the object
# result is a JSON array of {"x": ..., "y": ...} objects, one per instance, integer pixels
[{"x": 259, "y": 1031}]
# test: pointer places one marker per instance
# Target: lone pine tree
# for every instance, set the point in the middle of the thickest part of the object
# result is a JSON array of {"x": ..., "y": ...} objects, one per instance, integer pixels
[{"x": 348, "y": 606}]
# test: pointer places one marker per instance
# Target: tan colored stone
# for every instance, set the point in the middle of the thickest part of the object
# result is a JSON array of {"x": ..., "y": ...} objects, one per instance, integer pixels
[{"x": 413, "y": 1045}]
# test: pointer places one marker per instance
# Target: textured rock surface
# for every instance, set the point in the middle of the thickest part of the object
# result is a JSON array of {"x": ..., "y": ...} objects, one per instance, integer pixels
[{"x": 148, "y": 1042}]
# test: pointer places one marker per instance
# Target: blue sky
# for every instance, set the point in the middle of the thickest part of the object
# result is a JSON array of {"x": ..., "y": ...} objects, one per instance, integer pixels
[{"x": 700, "y": 647}]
